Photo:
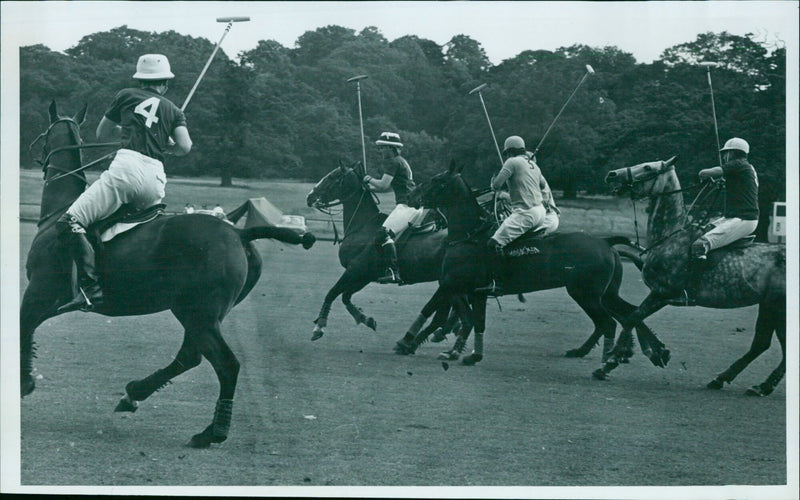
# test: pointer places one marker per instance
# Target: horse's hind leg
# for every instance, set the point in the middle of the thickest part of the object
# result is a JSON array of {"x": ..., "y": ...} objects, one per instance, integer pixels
[
  {"x": 766, "y": 387},
  {"x": 589, "y": 299},
  {"x": 138, "y": 390},
  {"x": 765, "y": 325}
]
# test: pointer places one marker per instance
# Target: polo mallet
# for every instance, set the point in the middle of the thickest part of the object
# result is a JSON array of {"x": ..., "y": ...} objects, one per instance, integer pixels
[
  {"x": 230, "y": 21},
  {"x": 589, "y": 71},
  {"x": 358, "y": 79},
  {"x": 478, "y": 91},
  {"x": 708, "y": 65}
]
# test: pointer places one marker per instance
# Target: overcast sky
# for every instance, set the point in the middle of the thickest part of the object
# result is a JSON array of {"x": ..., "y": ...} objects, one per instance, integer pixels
[{"x": 504, "y": 29}]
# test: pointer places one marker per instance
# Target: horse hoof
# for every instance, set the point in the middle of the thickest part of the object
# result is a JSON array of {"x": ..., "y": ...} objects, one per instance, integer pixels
[
  {"x": 204, "y": 439},
  {"x": 665, "y": 357},
  {"x": 404, "y": 349},
  {"x": 715, "y": 384},
  {"x": 757, "y": 390},
  {"x": 574, "y": 353},
  {"x": 438, "y": 335},
  {"x": 599, "y": 374},
  {"x": 471, "y": 359},
  {"x": 26, "y": 385},
  {"x": 448, "y": 356},
  {"x": 127, "y": 404},
  {"x": 318, "y": 333},
  {"x": 371, "y": 323}
]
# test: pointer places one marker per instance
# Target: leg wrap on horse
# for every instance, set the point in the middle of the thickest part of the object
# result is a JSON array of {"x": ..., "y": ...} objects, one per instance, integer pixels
[{"x": 222, "y": 417}]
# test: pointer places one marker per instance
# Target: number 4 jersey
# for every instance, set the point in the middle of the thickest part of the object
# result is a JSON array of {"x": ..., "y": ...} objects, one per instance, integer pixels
[{"x": 147, "y": 119}]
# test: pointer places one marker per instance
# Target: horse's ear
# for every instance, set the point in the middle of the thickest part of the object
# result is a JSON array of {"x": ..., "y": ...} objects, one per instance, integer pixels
[
  {"x": 452, "y": 167},
  {"x": 53, "y": 111},
  {"x": 341, "y": 165},
  {"x": 669, "y": 162},
  {"x": 459, "y": 169},
  {"x": 80, "y": 117}
]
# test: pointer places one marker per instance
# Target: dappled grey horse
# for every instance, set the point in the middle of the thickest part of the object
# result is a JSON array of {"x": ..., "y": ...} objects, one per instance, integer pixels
[{"x": 737, "y": 275}]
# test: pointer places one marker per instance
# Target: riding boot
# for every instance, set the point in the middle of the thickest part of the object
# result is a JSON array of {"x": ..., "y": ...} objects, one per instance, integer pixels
[
  {"x": 80, "y": 250},
  {"x": 495, "y": 288},
  {"x": 389, "y": 252}
]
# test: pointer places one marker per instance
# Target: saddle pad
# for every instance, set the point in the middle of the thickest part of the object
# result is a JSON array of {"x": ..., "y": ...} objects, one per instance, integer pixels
[{"x": 125, "y": 221}]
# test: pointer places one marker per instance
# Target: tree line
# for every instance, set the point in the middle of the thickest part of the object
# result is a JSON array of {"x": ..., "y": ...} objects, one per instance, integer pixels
[{"x": 289, "y": 113}]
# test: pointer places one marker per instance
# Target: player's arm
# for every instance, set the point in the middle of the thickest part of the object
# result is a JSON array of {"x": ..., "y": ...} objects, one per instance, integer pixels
[{"x": 107, "y": 130}]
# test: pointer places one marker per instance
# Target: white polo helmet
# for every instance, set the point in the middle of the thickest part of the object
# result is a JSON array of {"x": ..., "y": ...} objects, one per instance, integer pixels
[
  {"x": 736, "y": 144},
  {"x": 389, "y": 139},
  {"x": 513, "y": 142},
  {"x": 153, "y": 67}
]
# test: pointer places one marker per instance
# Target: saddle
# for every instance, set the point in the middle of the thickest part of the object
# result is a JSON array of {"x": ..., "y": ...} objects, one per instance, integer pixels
[
  {"x": 525, "y": 244},
  {"x": 124, "y": 219},
  {"x": 432, "y": 220},
  {"x": 742, "y": 242}
]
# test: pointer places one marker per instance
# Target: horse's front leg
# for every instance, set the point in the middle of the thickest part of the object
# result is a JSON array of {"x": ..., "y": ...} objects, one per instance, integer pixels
[
  {"x": 410, "y": 341},
  {"x": 38, "y": 304},
  {"x": 651, "y": 346},
  {"x": 464, "y": 311},
  {"x": 478, "y": 302},
  {"x": 356, "y": 311},
  {"x": 348, "y": 282}
]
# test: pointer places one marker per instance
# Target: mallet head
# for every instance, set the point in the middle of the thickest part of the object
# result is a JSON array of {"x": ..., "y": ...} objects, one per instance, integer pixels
[
  {"x": 478, "y": 88},
  {"x": 357, "y": 78},
  {"x": 709, "y": 64},
  {"x": 232, "y": 19},
  {"x": 590, "y": 69}
]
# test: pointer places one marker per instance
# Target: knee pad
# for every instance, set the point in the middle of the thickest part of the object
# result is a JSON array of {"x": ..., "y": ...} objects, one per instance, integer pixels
[{"x": 494, "y": 247}]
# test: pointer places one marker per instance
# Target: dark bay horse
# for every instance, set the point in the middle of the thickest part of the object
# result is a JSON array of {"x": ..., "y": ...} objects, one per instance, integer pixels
[
  {"x": 588, "y": 267},
  {"x": 733, "y": 276},
  {"x": 197, "y": 266},
  {"x": 419, "y": 255}
]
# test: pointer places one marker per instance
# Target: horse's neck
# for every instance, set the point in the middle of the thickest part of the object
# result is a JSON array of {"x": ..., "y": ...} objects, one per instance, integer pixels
[
  {"x": 58, "y": 195},
  {"x": 667, "y": 211},
  {"x": 357, "y": 211},
  {"x": 463, "y": 218}
]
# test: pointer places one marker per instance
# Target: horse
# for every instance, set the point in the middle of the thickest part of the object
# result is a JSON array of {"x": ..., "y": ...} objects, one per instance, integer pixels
[
  {"x": 419, "y": 254},
  {"x": 737, "y": 275},
  {"x": 588, "y": 267},
  {"x": 197, "y": 266}
]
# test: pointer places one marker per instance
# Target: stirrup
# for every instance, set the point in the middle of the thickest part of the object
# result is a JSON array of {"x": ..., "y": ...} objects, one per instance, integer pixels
[
  {"x": 494, "y": 289},
  {"x": 80, "y": 302},
  {"x": 392, "y": 277}
]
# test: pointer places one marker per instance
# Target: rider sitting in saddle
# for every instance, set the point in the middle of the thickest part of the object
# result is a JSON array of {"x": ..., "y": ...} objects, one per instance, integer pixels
[
  {"x": 525, "y": 185},
  {"x": 397, "y": 177},
  {"x": 149, "y": 126},
  {"x": 552, "y": 212},
  {"x": 741, "y": 199}
]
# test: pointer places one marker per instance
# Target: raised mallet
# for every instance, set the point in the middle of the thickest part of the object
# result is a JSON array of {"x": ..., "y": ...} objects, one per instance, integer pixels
[
  {"x": 358, "y": 79},
  {"x": 589, "y": 71},
  {"x": 230, "y": 21},
  {"x": 477, "y": 90},
  {"x": 708, "y": 65}
]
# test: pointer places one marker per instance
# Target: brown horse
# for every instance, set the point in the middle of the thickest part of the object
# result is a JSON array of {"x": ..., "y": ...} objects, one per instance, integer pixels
[
  {"x": 587, "y": 266},
  {"x": 734, "y": 276},
  {"x": 419, "y": 255},
  {"x": 197, "y": 266}
]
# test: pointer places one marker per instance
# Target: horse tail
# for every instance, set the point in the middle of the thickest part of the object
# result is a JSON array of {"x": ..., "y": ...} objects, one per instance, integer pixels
[
  {"x": 282, "y": 234},
  {"x": 630, "y": 255}
]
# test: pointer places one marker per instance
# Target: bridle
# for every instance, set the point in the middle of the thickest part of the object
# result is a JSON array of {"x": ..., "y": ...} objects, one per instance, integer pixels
[
  {"x": 630, "y": 182},
  {"x": 47, "y": 153},
  {"x": 485, "y": 218},
  {"x": 325, "y": 207}
]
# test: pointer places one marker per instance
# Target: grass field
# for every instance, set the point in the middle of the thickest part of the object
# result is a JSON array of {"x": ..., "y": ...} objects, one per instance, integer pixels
[{"x": 345, "y": 410}]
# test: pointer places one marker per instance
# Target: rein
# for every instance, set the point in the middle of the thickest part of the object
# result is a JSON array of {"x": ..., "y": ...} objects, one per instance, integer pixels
[
  {"x": 324, "y": 208},
  {"x": 485, "y": 224},
  {"x": 686, "y": 224}
]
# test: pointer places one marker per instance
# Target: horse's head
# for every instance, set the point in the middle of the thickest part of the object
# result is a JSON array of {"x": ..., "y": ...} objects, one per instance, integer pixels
[
  {"x": 337, "y": 186},
  {"x": 441, "y": 190},
  {"x": 61, "y": 141},
  {"x": 642, "y": 180}
]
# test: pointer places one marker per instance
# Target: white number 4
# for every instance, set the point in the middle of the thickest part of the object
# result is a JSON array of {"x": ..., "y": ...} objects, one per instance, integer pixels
[{"x": 148, "y": 108}]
